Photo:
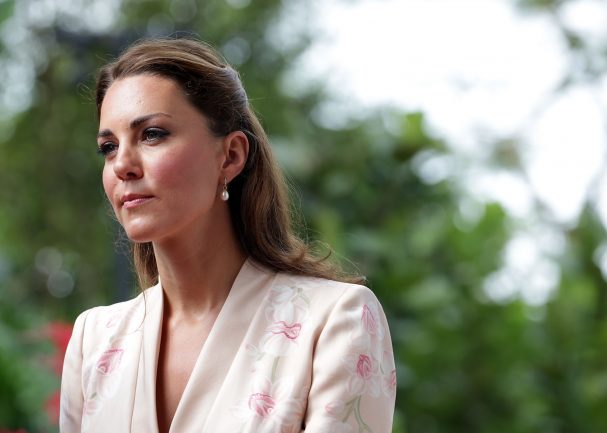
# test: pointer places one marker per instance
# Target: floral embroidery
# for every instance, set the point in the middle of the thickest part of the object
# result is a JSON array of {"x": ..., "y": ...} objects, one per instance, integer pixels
[
  {"x": 363, "y": 374},
  {"x": 261, "y": 404},
  {"x": 364, "y": 367},
  {"x": 366, "y": 317},
  {"x": 289, "y": 304},
  {"x": 389, "y": 384},
  {"x": 337, "y": 415},
  {"x": 273, "y": 404},
  {"x": 333, "y": 423},
  {"x": 270, "y": 405},
  {"x": 287, "y": 314},
  {"x": 370, "y": 370},
  {"x": 280, "y": 337},
  {"x": 289, "y": 331},
  {"x": 91, "y": 406},
  {"x": 101, "y": 379},
  {"x": 335, "y": 407},
  {"x": 109, "y": 361},
  {"x": 369, "y": 320}
]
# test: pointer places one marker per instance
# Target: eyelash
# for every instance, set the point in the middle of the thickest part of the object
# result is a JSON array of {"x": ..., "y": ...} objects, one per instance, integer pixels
[
  {"x": 149, "y": 135},
  {"x": 106, "y": 148},
  {"x": 158, "y": 132}
]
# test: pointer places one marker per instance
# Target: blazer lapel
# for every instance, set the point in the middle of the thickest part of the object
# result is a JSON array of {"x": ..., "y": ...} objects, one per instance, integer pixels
[
  {"x": 216, "y": 357},
  {"x": 144, "y": 408}
]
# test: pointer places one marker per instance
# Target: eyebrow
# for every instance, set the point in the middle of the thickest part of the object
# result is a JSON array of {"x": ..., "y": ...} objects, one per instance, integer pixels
[{"x": 134, "y": 123}]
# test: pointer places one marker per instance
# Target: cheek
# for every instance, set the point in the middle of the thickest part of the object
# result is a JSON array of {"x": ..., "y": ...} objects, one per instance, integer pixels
[
  {"x": 109, "y": 181},
  {"x": 189, "y": 174},
  {"x": 168, "y": 172}
]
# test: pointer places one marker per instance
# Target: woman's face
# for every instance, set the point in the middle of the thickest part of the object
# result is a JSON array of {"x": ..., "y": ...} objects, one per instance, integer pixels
[{"x": 162, "y": 171}]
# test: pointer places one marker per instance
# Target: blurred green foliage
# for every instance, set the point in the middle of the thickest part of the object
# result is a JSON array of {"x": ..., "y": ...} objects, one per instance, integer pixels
[{"x": 465, "y": 363}]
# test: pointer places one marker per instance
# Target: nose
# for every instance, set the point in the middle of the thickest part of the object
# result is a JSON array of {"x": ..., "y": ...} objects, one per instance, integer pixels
[{"x": 127, "y": 163}]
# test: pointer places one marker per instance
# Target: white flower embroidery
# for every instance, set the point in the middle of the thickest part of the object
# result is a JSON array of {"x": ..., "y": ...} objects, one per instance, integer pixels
[
  {"x": 287, "y": 316},
  {"x": 287, "y": 304}
]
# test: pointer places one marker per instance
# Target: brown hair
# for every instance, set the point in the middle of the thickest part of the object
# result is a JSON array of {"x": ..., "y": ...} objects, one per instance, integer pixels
[{"x": 258, "y": 202}]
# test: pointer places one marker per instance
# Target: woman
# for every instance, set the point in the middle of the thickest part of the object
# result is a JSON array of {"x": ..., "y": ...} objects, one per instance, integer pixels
[{"x": 242, "y": 329}]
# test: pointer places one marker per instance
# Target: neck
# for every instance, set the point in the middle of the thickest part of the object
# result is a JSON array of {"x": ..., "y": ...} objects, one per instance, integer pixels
[{"x": 197, "y": 271}]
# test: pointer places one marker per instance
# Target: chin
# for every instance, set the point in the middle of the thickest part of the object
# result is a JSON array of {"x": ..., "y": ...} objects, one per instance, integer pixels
[
  {"x": 139, "y": 239},
  {"x": 140, "y": 234}
]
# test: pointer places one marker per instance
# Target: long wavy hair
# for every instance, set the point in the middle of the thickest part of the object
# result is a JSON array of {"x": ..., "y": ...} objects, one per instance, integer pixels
[{"x": 259, "y": 206}]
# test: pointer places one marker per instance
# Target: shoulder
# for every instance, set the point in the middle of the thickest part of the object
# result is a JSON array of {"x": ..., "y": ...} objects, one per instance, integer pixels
[
  {"x": 324, "y": 298},
  {"x": 106, "y": 322},
  {"x": 329, "y": 291},
  {"x": 110, "y": 315}
]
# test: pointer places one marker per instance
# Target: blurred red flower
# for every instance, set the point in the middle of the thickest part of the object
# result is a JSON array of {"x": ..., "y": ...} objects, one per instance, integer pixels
[
  {"x": 51, "y": 407},
  {"x": 59, "y": 333}
]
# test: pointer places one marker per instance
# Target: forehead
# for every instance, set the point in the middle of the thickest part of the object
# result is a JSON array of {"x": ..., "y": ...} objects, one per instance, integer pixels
[{"x": 131, "y": 97}]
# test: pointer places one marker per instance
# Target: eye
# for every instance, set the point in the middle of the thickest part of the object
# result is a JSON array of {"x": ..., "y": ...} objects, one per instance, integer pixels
[
  {"x": 106, "y": 148},
  {"x": 154, "y": 134}
]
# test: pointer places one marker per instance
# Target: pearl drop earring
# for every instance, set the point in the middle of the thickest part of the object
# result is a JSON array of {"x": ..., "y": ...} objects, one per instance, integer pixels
[{"x": 225, "y": 195}]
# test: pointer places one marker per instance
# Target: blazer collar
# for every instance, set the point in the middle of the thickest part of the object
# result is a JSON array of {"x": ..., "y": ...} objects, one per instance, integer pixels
[{"x": 214, "y": 360}]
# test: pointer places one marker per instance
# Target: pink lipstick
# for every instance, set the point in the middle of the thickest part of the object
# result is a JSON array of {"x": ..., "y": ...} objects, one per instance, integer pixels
[{"x": 130, "y": 201}]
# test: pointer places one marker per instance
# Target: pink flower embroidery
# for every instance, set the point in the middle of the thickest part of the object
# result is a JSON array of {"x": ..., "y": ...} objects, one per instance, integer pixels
[
  {"x": 286, "y": 313},
  {"x": 109, "y": 361},
  {"x": 364, "y": 367},
  {"x": 280, "y": 337},
  {"x": 335, "y": 408},
  {"x": 369, "y": 320},
  {"x": 389, "y": 384},
  {"x": 367, "y": 332},
  {"x": 91, "y": 406},
  {"x": 369, "y": 317},
  {"x": 364, "y": 376},
  {"x": 289, "y": 331},
  {"x": 261, "y": 404},
  {"x": 270, "y": 406}
]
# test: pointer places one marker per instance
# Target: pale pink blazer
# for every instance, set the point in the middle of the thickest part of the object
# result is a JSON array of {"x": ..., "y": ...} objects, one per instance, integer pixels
[{"x": 286, "y": 354}]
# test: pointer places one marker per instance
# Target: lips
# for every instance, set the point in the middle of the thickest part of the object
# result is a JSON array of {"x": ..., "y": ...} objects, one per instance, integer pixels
[{"x": 133, "y": 200}]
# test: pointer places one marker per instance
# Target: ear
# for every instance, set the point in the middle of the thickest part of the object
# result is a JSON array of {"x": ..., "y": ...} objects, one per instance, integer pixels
[{"x": 235, "y": 153}]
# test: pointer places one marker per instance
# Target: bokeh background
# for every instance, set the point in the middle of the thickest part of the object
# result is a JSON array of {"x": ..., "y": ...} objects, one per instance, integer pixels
[{"x": 452, "y": 149}]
